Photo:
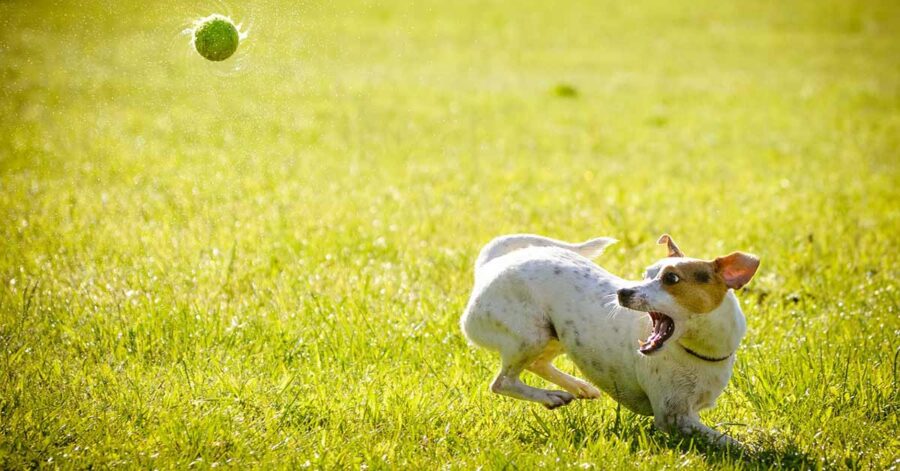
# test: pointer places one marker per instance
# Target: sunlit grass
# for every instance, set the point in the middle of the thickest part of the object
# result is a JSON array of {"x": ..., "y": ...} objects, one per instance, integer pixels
[{"x": 265, "y": 266}]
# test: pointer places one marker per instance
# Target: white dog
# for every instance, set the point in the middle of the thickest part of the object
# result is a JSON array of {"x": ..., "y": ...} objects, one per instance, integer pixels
[{"x": 535, "y": 298}]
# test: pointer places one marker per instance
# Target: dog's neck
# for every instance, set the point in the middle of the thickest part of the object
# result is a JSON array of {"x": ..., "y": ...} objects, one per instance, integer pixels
[{"x": 718, "y": 333}]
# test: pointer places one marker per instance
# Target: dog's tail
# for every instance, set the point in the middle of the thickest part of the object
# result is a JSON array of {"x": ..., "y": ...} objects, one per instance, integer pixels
[{"x": 510, "y": 243}]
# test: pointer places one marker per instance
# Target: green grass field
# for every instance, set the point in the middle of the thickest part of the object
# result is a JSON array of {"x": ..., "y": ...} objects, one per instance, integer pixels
[{"x": 262, "y": 262}]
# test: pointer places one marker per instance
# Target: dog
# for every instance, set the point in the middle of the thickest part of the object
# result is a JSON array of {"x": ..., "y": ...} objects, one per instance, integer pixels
[{"x": 535, "y": 298}]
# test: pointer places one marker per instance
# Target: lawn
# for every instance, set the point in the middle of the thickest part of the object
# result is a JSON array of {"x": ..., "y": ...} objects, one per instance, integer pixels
[{"x": 262, "y": 262}]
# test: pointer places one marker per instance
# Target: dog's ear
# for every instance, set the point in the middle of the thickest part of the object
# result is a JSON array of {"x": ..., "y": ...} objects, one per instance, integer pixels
[
  {"x": 737, "y": 268},
  {"x": 674, "y": 251}
]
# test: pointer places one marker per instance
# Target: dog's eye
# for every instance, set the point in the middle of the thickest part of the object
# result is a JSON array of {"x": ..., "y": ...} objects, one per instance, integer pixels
[{"x": 671, "y": 278}]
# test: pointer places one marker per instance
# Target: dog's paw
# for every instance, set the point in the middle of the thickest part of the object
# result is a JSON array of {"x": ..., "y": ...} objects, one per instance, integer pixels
[
  {"x": 556, "y": 399},
  {"x": 585, "y": 391}
]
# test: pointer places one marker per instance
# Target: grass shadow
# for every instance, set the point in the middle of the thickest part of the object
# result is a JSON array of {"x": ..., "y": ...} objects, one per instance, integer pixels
[
  {"x": 639, "y": 435},
  {"x": 752, "y": 455}
]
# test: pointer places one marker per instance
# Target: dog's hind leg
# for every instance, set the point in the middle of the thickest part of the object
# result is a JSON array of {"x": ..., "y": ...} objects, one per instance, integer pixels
[
  {"x": 543, "y": 367},
  {"x": 508, "y": 383}
]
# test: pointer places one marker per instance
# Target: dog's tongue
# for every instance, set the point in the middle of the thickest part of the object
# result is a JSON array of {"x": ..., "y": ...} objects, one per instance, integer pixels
[{"x": 663, "y": 327}]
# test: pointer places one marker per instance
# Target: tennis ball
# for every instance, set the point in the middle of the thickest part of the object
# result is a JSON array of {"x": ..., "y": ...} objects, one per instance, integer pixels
[{"x": 216, "y": 37}]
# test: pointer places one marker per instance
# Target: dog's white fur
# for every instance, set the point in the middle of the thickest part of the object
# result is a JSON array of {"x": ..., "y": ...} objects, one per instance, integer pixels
[{"x": 535, "y": 298}]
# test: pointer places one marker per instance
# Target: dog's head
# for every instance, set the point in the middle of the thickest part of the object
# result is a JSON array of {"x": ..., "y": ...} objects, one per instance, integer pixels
[{"x": 678, "y": 288}]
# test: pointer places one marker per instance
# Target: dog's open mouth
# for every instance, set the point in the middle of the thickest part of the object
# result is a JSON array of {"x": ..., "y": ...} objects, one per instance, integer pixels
[{"x": 663, "y": 327}]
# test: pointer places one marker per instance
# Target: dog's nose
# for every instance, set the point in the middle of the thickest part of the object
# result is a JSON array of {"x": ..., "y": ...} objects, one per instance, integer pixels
[{"x": 625, "y": 295}]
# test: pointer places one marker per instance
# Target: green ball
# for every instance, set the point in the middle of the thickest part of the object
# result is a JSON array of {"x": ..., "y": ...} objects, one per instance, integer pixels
[{"x": 216, "y": 38}]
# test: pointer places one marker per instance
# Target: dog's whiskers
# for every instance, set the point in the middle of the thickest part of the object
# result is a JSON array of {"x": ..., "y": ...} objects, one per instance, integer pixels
[{"x": 612, "y": 305}]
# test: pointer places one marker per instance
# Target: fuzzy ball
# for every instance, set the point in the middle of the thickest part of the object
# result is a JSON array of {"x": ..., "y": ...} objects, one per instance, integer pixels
[{"x": 216, "y": 37}]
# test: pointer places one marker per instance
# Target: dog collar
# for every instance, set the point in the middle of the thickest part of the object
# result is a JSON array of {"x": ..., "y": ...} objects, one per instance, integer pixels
[{"x": 704, "y": 357}]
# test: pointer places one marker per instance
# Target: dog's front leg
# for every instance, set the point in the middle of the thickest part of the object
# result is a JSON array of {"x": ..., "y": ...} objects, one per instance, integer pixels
[{"x": 689, "y": 424}]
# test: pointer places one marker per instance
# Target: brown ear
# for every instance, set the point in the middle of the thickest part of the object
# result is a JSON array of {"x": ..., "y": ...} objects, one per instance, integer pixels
[
  {"x": 737, "y": 269},
  {"x": 674, "y": 251}
]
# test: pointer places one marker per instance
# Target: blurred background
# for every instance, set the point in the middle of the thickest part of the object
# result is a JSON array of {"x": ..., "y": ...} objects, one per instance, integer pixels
[{"x": 178, "y": 232}]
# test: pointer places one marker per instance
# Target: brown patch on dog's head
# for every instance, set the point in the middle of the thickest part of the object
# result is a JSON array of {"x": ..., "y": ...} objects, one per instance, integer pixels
[
  {"x": 674, "y": 251},
  {"x": 699, "y": 285},
  {"x": 695, "y": 284}
]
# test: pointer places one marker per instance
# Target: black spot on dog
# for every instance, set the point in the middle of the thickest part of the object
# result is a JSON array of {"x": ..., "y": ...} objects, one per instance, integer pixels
[
  {"x": 557, "y": 271},
  {"x": 702, "y": 277}
]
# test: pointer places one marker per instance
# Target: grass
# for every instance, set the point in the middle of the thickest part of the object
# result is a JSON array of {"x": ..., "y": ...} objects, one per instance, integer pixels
[{"x": 262, "y": 263}]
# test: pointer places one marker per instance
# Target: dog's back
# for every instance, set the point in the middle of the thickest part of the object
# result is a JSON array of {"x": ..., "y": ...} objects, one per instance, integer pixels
[{"x": 509, "y": 243}]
